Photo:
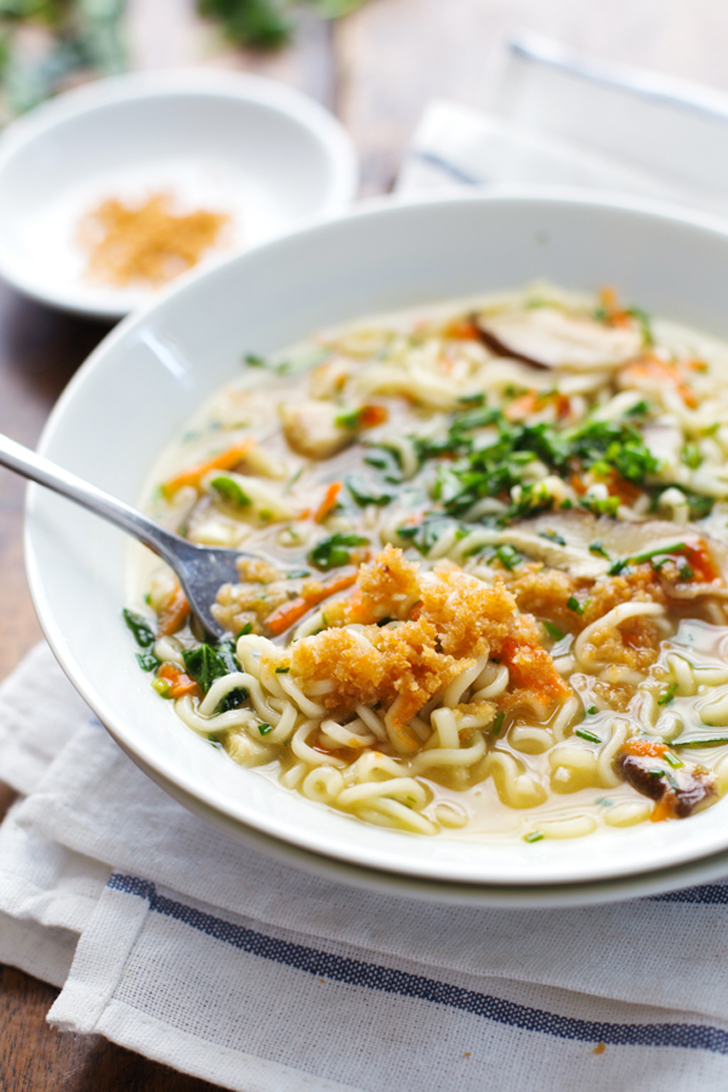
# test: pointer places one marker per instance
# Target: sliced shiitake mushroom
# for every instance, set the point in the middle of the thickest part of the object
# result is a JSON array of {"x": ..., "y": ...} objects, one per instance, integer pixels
[{"x": 546, "y": 337}]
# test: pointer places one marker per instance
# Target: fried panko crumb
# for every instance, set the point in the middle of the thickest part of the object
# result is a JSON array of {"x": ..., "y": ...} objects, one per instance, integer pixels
[
  {"x": 531, "y": 667},
  {"x": 635, "y": 644},
  {"x": 454, "y": 618}
]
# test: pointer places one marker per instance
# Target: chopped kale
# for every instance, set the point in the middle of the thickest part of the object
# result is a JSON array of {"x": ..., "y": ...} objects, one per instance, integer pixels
[
  {"x": 207, "y": 662},
  {"x": 364, "y": 494},
  {"x": 332, "y": 552},
  {"x": 143, "y": 633}
]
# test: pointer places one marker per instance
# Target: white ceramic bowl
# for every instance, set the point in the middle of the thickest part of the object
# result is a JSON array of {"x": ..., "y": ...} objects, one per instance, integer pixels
[
  {"x": 147, "y": 377},
  {"x": 257, "y": 149}
]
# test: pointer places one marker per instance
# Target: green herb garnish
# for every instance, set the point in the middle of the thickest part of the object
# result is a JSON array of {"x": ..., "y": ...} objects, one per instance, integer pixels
[
  {"x": 691, "y": 457},
  {"x": 598, "y": 549},
  {"x": 207, "y": 662},
  {"x": 553, "y": 631},
  {"x": 230, "y": 491},
  {"x": 148, "y": 661},
  {"x": 498, "y": 722},
  {"x": 578, "y": 608},
  {"x": 335, "y": 551},
  {"x": 534, "y": 836},
  {"x": 144, "y": 635},
  {"x": 282, "y": 670},
  {"x": 669, "y": 694},
  {"x": 590, "y": 737},
  {"x": 364, "y": 494},
  {"x": 264, "y": 729}
]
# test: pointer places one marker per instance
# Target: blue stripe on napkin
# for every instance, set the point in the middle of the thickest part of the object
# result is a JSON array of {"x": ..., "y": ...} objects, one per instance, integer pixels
[{"x": 389, "y": 980}]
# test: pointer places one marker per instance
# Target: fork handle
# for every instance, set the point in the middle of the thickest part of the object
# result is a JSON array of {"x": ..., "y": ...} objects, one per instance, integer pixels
[{"x": 41, "y": 470}]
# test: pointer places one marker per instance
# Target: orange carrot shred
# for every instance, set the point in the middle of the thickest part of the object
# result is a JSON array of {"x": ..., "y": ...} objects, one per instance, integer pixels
[
  {"x": 226, "y": 460},
  {"x": 371, "y": 416},
  {"x": 289, "y": 613},
  {"x": 174, "y": 615},
  {"x": 329, "y": 502},
  {"x": 180, "y": 684}
]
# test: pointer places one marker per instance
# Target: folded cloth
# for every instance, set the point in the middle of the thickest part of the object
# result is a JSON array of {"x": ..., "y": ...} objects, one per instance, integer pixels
[
  {"x": 559, "y": 118},
  {"x": 171, "y": 939}
]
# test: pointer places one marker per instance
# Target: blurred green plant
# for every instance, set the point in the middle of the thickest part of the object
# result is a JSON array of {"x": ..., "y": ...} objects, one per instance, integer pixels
[
  {"x": 47, "y": 45},
  {"x": 267, "y": 24}
]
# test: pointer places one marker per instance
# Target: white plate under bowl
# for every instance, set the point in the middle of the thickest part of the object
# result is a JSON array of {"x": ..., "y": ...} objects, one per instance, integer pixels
[
  {"x": 146, "y": 378},
  {"x": 264, "y": 153}
]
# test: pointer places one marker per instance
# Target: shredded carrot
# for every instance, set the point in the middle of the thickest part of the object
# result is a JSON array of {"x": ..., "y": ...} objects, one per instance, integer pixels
[
  {"x": 226, "y": 460},
  {"x": 577, "y": 485},
  {"x": 371, "y": 416},
  {"x": 663, "y": 809},
  {"x": 620, "y": 487},
  {"x": 180, "y": 684},
  {"x": 644, "y": 748},
  {"x": 656, "y": 371},
  {"x": 289, "y": 613},
  {"x": 522, "y": 407},
  {"x": 698, "y": 557},
  {"x": 462, "y": 329},
  {"x": 526, "y": 404},
  {"x": 174, "y": 615},
  {"x": 329, "y": 502}
]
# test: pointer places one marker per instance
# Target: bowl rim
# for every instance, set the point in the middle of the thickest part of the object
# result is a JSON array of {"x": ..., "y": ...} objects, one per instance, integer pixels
[
  {"x": 134, "y": 746},
  {"x": 86, "y": 100}
]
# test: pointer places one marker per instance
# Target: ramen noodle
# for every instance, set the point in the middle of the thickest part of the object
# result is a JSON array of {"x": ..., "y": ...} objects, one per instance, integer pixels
[{"x": 483, "y": 577}]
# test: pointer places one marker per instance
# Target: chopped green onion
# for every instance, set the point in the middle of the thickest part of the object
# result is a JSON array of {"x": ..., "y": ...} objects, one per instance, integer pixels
[
  {"x": 691, "y": 457},
  {"x": 553, "y": 631},
  {"x": 162, "y": 687},
  {"x": 534, "y": 836},
  {"x": 591, "y": 710},
  {"x": 656, "y": 773},
  {"x": 264, "y": 729},
  {"x": 553, "y": 537},
  {"x": 578, "y": 608},
  {"x": 597, "y": 548},
  {"x": 498, "y": 722},
  {"x": 669, "y": 694},
  {"x": 590, "y": 737},
  {"x": 282, "y": 670},
  {"x": 672, "y": 760},
  {"x": 247, "y": 628},
  {"x": 255, "y": 361}
]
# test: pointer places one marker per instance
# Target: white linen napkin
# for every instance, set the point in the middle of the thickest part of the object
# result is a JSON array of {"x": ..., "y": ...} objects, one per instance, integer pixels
[
  {"x": 559, "y": 118},
  {"x": 172, "y": 940}
]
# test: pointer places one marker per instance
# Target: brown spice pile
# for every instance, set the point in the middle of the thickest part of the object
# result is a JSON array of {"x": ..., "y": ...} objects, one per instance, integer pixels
[{"x": 146, "y": 242}]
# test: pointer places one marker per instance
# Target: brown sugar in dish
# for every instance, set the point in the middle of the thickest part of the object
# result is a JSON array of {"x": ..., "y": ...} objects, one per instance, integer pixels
[{"x": 149, "y": 242}]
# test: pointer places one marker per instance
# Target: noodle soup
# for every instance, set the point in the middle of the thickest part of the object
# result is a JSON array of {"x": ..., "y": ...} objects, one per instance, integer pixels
[{"x": 482, "y": 574}]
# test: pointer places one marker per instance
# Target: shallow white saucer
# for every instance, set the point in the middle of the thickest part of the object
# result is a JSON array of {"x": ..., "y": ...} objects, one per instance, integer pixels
[
  {"x": 147, "y": 377},
  {"x": 253, "y": 148}
]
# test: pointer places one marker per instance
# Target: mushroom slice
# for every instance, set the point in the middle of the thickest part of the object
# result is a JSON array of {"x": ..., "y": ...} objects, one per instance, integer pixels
[
  {"x": 547, "y": 337},
  {"x": 678, "y": 787}
]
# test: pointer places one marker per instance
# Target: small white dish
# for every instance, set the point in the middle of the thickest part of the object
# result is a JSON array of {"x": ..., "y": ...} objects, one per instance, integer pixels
[
  {"x": 148, "y": 376},
  {"x": 253, "y": 148}
]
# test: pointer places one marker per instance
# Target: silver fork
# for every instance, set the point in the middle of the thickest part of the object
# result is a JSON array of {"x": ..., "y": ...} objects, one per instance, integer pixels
[{"x": 200, "y": 569}]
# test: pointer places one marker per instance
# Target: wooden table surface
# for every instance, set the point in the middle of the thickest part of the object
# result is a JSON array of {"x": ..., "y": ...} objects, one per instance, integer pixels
[{"x": 375, "y": 69}]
